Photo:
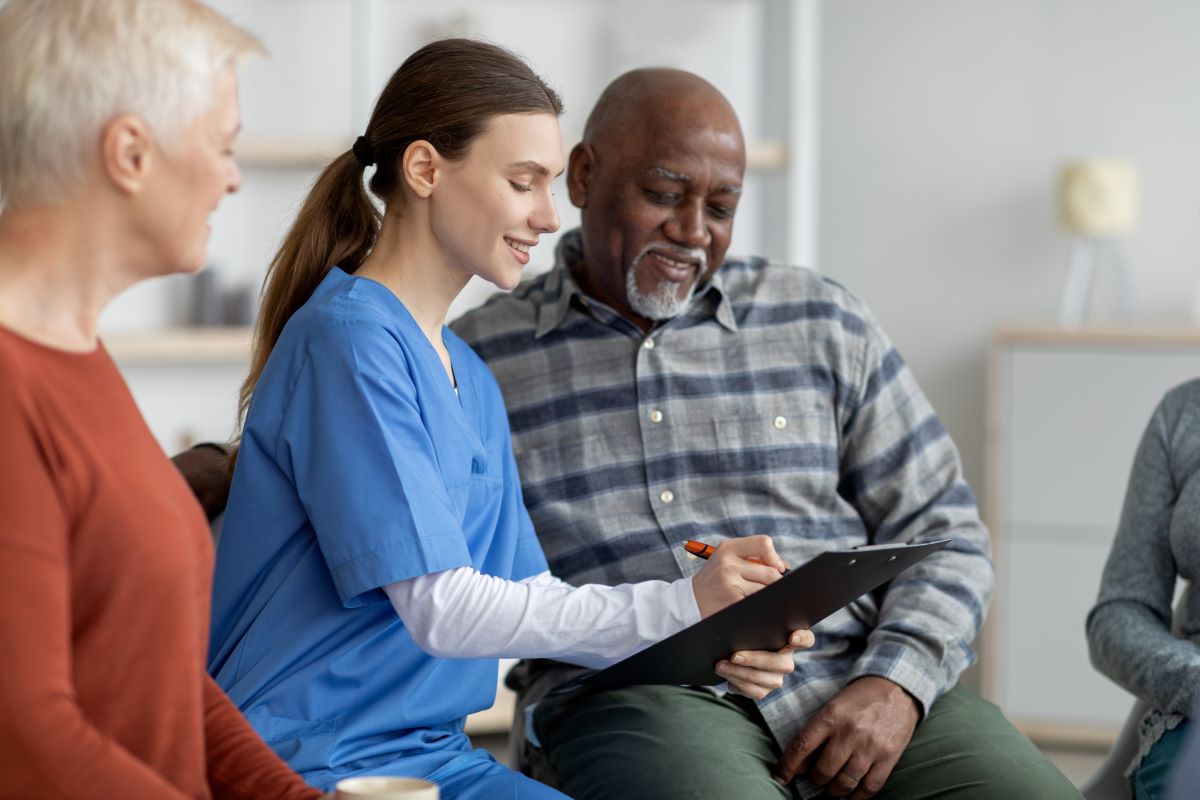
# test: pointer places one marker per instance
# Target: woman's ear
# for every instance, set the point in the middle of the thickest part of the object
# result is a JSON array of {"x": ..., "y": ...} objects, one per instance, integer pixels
[
  {"x": 125, "y": 153},
  {"x": 420, "y": 167}
]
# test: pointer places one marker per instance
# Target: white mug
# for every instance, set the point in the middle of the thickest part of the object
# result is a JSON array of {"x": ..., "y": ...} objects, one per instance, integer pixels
[{"x": 380, "y": 788}]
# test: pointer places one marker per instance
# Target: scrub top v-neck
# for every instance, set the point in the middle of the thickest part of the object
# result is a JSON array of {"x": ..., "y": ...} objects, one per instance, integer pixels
[{"x": 359, "y": 467}]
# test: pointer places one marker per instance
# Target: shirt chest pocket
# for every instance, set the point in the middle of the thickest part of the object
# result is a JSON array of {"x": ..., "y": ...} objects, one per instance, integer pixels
[
  {"x": 466, "y": 472},
  {"x": 780, "y": 461}
]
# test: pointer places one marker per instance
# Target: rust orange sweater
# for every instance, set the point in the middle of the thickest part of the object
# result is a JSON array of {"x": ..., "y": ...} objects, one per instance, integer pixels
[{"x": 105, "y": 571}]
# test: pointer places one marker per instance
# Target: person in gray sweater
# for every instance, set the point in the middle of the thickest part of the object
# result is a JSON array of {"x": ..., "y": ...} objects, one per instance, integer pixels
[{"x": 1157, "y": 543}]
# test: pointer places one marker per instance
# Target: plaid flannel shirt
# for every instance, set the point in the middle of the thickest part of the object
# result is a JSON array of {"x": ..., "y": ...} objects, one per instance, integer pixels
[{"x": 774, "y": 405}]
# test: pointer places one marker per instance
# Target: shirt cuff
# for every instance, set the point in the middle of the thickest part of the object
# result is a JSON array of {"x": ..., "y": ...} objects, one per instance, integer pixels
[
  {"x": 920, "y": 676},
  {"x": 681, "y": 598}
]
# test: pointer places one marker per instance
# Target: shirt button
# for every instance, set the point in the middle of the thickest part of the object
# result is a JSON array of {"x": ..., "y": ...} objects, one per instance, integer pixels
[
  {"x": 648, "y": 344},
  {"x": 656, "y": 416},
  {"x": 667, "y": 496},
  {"x": 781, "y": 422}
]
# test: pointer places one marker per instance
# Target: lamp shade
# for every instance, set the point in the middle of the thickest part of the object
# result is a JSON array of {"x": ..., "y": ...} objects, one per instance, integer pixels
[{"x": 1098, "y": 198}]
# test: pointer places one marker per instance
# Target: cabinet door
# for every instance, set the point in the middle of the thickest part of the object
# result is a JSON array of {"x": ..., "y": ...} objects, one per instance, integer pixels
[
  {"x": 1049, "y": 583},
  {"x": 1077, "y": 414}
]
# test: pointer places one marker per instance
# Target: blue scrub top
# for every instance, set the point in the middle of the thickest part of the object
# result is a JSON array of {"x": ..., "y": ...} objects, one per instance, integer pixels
[{"x": 359, "y": 467}]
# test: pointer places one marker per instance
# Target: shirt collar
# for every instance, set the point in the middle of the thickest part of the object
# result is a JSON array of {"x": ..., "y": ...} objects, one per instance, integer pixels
[
  {"x": 724, "y": 311},
  {"x": 561, "y": 289},
  {"x": 560, "y": 286}
]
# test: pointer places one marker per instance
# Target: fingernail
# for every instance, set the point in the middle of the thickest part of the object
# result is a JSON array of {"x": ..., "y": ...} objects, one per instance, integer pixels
[
  {"x": 798, "y": 638},
  {"x": 739, "y": 659},
  {"x": 721, "y": 669}
]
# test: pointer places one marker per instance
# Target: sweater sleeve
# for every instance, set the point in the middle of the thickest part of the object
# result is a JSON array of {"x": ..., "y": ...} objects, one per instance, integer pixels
[
  {"x": 1129, "y": 628},
  {"x": 48, "y": 746},
  {"x": 240, "y": 765}
]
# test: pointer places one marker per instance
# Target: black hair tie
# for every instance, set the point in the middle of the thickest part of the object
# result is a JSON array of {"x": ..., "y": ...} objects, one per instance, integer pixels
[{"x": 363, "y": 151}]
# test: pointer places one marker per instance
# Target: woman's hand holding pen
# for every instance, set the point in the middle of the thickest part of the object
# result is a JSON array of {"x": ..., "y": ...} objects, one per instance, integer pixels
[{"x": 737, "y": 568}]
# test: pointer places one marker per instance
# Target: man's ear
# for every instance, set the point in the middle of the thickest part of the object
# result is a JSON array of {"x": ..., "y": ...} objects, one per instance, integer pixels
[
  {"x": 420, "y": 167},
  {"x": 126, "y": 153},
  {"x": 579, "y": 173}
]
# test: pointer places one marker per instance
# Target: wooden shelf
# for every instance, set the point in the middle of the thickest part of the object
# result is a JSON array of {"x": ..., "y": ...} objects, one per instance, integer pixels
[
  {"x": 289, "y": 152},
  {"x": 1118, "y": 335},
  {"x": 304, "y": 153},
  {"x": 767, "y": 155},
  {"x": 181, "y": 346},
  {"x": 1093, "y": 737}
]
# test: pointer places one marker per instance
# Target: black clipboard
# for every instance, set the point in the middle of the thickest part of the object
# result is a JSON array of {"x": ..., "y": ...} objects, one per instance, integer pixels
[{"x": 800, "y": 599}]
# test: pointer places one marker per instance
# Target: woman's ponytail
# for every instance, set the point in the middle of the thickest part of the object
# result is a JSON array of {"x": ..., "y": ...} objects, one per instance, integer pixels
[{"x": 337, "y": 225}]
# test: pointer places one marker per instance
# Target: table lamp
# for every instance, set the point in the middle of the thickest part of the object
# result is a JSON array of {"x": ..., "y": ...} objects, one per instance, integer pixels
[{"x": 1097, "y": 203}]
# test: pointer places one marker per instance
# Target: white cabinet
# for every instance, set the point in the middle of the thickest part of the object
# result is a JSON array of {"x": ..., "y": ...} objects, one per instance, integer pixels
[{"x": 1067, "y": 409}]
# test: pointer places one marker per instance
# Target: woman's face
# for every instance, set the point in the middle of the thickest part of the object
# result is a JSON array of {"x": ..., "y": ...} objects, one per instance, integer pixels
[
  {"x": 489, "y": 209},
  {"x": 191, "y": 179}
]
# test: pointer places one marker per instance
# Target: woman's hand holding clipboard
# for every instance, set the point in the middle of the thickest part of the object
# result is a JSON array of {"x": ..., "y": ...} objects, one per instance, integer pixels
[
  {"x": 736, "y": 569},
  {"x": 763, "y": 620}
]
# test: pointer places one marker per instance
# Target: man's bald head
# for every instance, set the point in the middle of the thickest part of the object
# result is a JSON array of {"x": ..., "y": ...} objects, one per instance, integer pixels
[
  {"x": 652, "y": 98},
  {"x": 657, "y": 179}
]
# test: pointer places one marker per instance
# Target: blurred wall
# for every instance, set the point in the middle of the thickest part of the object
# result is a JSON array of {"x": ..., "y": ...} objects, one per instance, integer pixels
[
  {"x": 330, "y": 59},
  {"x": 942, "y": 126}
]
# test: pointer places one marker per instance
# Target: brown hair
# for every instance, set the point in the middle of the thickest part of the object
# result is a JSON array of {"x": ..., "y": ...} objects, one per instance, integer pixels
[{"x": 445, "y": 93}]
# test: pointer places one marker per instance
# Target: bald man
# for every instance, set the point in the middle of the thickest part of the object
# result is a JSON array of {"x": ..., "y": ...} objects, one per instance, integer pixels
[{"x": 659, "y": 391}]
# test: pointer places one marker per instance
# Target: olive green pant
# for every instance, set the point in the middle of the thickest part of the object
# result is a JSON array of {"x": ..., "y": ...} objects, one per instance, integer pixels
[{"x": 679, "y": 742}]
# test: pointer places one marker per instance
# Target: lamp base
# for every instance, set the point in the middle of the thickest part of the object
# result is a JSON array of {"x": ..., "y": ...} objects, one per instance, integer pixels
[{"x": 1088, "y": 256}]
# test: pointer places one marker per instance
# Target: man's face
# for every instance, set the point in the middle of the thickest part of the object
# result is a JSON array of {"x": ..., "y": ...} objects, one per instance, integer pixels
[{"x": 657, "y": 211}]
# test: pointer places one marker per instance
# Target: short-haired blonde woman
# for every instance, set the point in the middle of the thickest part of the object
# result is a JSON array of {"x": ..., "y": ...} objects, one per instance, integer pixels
[{"x": 117, "y": 119}]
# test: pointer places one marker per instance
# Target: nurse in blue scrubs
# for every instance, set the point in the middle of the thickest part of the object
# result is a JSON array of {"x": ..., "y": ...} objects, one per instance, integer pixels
[{"x": 376, "y": 558}]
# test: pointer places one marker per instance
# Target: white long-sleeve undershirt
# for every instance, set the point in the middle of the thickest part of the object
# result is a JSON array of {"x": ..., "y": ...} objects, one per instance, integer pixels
[{"x": 462, "y": 613}]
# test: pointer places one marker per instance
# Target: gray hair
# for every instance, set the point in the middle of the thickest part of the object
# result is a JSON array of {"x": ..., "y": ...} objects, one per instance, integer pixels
[
  {"x": 663, "y": 303},
  {"x": 68, "y": 67}
]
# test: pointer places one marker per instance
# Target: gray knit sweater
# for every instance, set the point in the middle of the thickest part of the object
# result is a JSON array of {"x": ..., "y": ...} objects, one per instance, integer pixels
[{"x": 1158, "y": 542}]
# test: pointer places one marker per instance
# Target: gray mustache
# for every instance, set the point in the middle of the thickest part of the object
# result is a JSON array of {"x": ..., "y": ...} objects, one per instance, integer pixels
[{"x": 680, "y": 253}]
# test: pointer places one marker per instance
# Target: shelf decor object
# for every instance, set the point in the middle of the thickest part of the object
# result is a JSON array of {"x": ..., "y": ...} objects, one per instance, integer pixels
[{"x": 1097, "y": 204}]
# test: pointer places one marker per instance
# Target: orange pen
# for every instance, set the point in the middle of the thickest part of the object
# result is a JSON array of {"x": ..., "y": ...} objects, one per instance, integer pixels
[{"x": 702, "y": 550}]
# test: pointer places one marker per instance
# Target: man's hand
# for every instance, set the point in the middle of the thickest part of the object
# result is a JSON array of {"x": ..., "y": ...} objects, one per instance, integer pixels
[
  {"x": 757, "y": 673},
  {"x": 730, "y": 575},
  {"x": 852, "y": 744},
  {"x": 207, "y": 470}
]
